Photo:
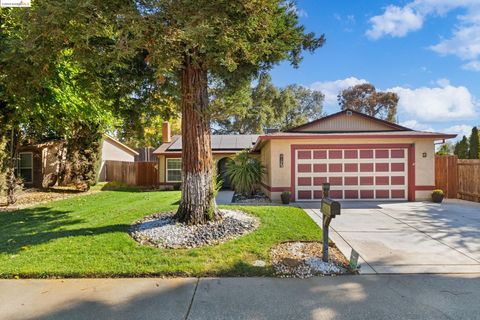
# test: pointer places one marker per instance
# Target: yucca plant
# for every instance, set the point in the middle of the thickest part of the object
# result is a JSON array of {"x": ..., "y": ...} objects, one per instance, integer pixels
[{"x": 245, "y": 173}]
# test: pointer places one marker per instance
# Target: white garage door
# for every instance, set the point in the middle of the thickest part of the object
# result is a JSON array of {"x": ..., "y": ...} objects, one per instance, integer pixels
[{"x": 366, "y": 173}]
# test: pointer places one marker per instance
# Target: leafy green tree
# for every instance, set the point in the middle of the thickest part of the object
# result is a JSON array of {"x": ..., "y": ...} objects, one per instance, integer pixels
[
  {"x": 366, "y": 99},
  {"x": 461, "y": 148},
  {"x": 298, "y": 105},
  {"x": 253, "y": 110},
  {"x": 188, "y": 41},
  {"x": 249, "y": 110},
  {"x": 474, "y": 150},
  {"x": 444, "y": 150}
]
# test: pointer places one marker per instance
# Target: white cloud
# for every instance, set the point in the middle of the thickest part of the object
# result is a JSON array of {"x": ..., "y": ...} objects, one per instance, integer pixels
[
  {"x": 301, "y": 13},
  {"x": 395, "y": 22},
  {"x": 443, "y": 82},
  {"x": 472, "y": 66},
  {"x": 464, "y": 43},
  {"x": 415, "y": 125},
  {"x": 461, "y": 130},
  {"x": 331, "y": 89},
  {"x": 437, "y": 104}
]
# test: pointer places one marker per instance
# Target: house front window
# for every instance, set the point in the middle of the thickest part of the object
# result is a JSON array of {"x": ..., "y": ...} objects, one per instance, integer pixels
[
  {"x": 174, "y": 170},
  {"x": 25, "y": 167}
]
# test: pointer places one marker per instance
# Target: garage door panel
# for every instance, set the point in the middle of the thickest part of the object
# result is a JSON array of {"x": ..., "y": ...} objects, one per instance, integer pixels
[{"x": 353, "y": 173}]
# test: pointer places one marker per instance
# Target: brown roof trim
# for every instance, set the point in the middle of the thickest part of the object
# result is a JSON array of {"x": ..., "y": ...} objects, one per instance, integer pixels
[
  {"x": 387, "y": 123},
  {"x": 429, "y": 135}
]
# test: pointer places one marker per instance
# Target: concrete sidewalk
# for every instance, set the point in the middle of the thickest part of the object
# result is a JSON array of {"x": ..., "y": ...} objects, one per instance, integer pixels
[{"x": 343, "y": 297}]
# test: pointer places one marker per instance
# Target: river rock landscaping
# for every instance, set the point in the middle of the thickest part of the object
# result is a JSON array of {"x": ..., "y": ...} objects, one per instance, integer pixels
[
  {"x": 256, "y": 198},
  {"x": 162, "y": 230},
  {"x": 304, "y": 259}
]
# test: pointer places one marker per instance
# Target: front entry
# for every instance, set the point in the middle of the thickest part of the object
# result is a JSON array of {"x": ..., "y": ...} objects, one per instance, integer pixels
[{"x": 222, "y": 172}]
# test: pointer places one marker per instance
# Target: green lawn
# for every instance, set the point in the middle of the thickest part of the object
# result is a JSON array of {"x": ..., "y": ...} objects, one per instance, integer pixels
[{"x": 87, "y": 236}]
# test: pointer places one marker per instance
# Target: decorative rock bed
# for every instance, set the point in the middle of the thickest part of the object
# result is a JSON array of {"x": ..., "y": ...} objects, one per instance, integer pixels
[
  {"x": 162, "y": 230},
  {"x": 257, "y": 198},
  {"x": 304, "y": 260}
]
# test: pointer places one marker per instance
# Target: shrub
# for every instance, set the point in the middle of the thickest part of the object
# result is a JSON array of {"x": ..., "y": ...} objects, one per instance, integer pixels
[
  {"x": 286, "y": 197},
  {"x": 245, "y": 173},
  {"x": 438, "y": 191}
]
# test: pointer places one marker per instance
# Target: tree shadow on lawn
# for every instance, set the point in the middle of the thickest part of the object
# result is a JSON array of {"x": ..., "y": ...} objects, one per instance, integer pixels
[{"x": 33, "y": 226}]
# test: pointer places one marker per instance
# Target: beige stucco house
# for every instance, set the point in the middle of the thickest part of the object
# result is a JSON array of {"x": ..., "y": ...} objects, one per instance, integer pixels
[
  {"x": 36, "y": 161},
  {"x": 114, "y": 150},
  {"x": 363, "y": 158}
]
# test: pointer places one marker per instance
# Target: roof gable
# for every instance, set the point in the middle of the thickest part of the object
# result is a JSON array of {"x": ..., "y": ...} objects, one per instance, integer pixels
[
  {"x": 120, "y": 145},
  {"x": 349, "y": 121}
]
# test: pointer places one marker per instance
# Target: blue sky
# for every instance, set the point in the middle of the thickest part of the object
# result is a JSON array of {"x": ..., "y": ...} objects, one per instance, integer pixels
[{"x": 428, "y": 51}]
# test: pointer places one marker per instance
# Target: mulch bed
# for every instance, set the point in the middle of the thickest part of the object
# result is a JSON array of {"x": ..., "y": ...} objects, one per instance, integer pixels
[{"x": 304, "y": 259}]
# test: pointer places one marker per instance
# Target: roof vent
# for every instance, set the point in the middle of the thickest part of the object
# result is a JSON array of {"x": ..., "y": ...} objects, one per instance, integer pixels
[{"x": 349, "y": 112}]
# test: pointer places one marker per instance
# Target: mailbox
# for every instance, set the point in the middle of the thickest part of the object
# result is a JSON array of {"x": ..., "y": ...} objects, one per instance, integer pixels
[{"x": 330, "y": 207}]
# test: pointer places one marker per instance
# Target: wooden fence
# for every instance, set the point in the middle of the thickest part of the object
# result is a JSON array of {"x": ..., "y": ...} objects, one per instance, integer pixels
[
  {"x": 458, "y": 178},
  {"x": 132, "y": 173},
  {"x": 469, "y": 179},
  {"x": 446, "y": 175}
]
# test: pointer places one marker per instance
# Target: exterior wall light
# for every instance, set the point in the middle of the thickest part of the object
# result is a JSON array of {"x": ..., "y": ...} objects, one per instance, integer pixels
[{"x": 424, "y": 154}]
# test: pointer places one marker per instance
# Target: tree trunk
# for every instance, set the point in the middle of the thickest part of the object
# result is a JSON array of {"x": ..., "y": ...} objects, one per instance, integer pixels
[
  {"x": 197, "y": 204},
  {"x": 11, "y": 180}
]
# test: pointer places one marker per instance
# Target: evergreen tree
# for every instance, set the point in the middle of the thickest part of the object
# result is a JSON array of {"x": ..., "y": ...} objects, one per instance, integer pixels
[
  {"x": 461, "y": 148},
  {"x": 473, "y": 152},
  {"x": 444, "y": 150}
]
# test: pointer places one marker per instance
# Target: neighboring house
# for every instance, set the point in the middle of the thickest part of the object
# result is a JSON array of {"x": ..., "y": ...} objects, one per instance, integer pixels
[
  {"x": 113, "y": 149},
  {"x": 39, "y": 160},
  {"x": 36, "y": 161},
  {"x": 362, "y": 157}
]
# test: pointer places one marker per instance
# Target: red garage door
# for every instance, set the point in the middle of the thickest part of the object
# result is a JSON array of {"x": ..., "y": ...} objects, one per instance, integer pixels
[{"x": 354, "y": 174}]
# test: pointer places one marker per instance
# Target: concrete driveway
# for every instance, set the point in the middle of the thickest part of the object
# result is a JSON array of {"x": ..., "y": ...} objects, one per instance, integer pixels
[{"x": 408, "y": 237}]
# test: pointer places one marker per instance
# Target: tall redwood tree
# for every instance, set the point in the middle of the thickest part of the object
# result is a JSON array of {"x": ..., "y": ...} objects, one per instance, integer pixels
[{"x": 226, "y": 40}]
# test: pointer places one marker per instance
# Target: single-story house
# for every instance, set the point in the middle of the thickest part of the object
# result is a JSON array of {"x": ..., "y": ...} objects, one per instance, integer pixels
[
  {"x": 114, "y": 150},
  {"x": 362, "y": 157},
  {"x": 36, "y": 161}
]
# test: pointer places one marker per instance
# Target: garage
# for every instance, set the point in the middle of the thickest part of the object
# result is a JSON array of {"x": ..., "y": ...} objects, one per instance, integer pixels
[
  {"x": 362, "y": 157},
  {"x": 355, "y": 172}
]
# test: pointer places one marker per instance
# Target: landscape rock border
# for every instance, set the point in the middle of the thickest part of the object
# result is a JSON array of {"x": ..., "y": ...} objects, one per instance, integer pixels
[
  {"x": 303, "y": 259},
  {"x": 163, "y": 231}
]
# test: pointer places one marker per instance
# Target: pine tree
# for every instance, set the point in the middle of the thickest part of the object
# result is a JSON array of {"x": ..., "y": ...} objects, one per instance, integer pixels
[
  {"x": 473, "y": 152},
  {"x": 461, "y": 148}
]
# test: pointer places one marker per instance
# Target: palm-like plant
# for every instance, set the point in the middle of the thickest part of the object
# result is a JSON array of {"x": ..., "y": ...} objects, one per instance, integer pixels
[{"x": 245, "y": 173}]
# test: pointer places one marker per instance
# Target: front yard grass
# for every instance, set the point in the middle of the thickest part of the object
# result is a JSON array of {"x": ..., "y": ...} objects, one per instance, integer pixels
[{"x": 87, "y": 236}]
